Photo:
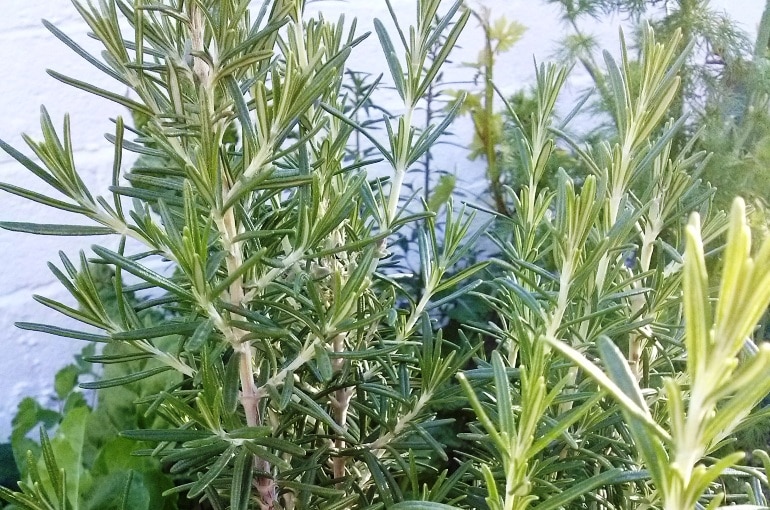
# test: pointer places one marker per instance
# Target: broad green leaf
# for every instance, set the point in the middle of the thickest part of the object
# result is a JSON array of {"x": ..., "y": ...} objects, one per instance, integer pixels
[
  {"x": 122, "y": 490},
  {"x": 65, "y": 380}
]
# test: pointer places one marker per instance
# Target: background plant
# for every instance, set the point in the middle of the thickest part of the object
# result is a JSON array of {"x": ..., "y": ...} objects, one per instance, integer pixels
[
  {"x": 101, "y": 461},
  {"x": 723, "y": 92}
]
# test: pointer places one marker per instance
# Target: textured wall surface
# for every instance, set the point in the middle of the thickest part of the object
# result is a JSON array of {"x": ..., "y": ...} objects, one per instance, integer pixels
[{"x": 28, "y": 361}]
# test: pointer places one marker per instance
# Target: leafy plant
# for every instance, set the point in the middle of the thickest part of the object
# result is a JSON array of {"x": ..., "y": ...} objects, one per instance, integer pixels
[
  {"x": 282, "y": 366},
  {"x": 500, "y": 35},
  {"x": 714, "y": 340},
  {"x": 284, "y": 334},
  {"x": 101, "y": 460},
  {"x": 593, "y": 269},
  {"x": 723, "y": 91}
]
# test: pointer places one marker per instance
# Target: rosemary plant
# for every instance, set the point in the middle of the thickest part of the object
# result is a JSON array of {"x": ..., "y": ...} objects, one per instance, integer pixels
[
  {"x": 594, "y": 270},
  {"x": 297, "y": 374},
  {"x": 307, "y": 375}
]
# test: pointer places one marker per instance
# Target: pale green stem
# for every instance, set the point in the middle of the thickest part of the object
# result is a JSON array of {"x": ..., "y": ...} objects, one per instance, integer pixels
[
  {"x": 637, "y": 338},
  {"x": 278, "y": 379},
  {"x": 227, "y": 226},
  {"x": 415, "y": 315},
  {"x": 562, "y": 300},
  {"x": 378, "y": 446},
  {"x": 249, "y": 396},
  {"x": 341, "y": 404},
  {"x": 400, "y": 166},
  {"x": 402, "y": 423},
  {"x": 269, "y": 277},
  {"x": 620, "y": 177},
  {"x": 572, "y": 372}
]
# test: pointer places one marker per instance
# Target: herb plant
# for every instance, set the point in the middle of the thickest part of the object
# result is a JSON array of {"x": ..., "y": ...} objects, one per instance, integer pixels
[
  {"x": 286, "y": 368},
  {"x": 306, "y": 374},
  {"x": 592, "y": 272},
  {"x": 724, "y": 87}
]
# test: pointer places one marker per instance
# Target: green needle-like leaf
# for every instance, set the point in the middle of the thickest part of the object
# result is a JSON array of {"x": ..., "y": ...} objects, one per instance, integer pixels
[{"x": 55, "y": 230}]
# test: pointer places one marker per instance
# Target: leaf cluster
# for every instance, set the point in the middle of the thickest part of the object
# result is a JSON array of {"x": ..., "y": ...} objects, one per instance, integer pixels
[
  {"x": 282, "y": 364},
  {"x": 289, "y": 371}
]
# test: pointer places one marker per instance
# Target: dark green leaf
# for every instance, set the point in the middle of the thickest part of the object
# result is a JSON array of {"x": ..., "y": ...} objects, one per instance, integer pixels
[
  {"x": 323, "y": 362},
  {"x": 48, "y": 229},
  {"x": 392, "y": 59},
  {"x": 88, "y": 87},
  {"x": 200, "y": 336},
  {"x": 620, "y": 372},
  {"x": 250, "y": 432},
  {"x": 43, "y": 199},
  {"x": 83, "y": 53},
  {"x": 158, "y": 435},
  {"x": 126, "y": 379},
  {"x": 142, "y": 272},
  {"x": 243, "y": 473},
  {"x": 213, "y": 472},
  {"x": 559, "y": 500},
  {"x": 170, "y": 328},
  {"x": 63, "y": 332},
  {"x": 231, "y": 383},
  {"x": 421, "y": 505}
]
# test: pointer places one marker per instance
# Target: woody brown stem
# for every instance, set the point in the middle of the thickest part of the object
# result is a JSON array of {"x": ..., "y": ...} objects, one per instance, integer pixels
[{"x": 249, "y": 398}]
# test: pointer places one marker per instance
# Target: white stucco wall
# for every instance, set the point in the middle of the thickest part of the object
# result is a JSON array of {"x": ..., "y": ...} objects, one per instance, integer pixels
[{"x": 28, "y": 361}]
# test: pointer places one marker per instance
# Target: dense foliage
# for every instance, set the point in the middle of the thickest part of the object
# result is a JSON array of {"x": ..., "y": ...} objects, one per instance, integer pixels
[{"x": 255, "y": 316}]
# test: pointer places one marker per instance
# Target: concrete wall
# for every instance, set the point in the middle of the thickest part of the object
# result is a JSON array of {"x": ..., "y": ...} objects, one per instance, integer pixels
[{"x": 28, "y": 361}]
